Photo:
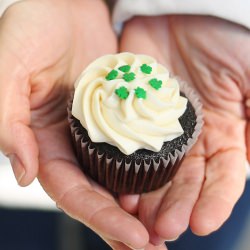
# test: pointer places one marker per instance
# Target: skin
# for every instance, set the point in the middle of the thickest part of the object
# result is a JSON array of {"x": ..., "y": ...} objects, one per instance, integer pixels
[
  {"x": 210, "y": 54},
  {"x": 42, "y": 52}
]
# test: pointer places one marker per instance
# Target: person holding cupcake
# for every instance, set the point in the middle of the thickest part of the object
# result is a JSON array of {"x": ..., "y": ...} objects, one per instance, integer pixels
[{"x": 42, "y": 59}]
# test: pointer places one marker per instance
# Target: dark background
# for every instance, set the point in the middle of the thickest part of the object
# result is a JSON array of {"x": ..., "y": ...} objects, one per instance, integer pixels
[{"x": 41, "y": 230}]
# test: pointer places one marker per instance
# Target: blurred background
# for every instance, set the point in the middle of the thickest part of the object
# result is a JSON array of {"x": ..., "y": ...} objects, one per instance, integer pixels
[{"x": 29, "y": 220}]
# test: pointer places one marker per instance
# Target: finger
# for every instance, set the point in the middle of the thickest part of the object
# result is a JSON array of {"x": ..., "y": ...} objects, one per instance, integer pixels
[
  {"x": 130, "y": 203},
  {"x": 224, "y": 183},
  {"x": 115, "y": 245},
  {"x": 120, "y": 246},
  {"x": 162, "y": 247},
  {"x": 63, "y": 180},
  {"x": 83, "y": 200},
  {"x": 148, "y": 210},
  {"x": 153, "y": 247},
  {"x": 176, "y": 207},
  {"x": 16, "y": 138},
  {"x": 22, "y": 152},
  {"x": 69, "y": 188}
]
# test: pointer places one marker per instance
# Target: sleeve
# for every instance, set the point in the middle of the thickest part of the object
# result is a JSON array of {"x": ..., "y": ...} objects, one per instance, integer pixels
[
  {"x": 233, "y": 10},
  {"x": 4, "y": 4}
]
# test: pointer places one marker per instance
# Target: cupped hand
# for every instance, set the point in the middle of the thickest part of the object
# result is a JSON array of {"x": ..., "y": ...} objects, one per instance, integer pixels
[
  {"x": 44, "y": 45},
  {"x": 211, "y": 55}
]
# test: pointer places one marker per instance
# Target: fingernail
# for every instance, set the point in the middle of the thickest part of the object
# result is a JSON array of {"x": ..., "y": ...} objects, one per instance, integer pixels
[
  {"x": 156, "y": 240},
  {"x": 169, "y": 240},
  {"x": 247, "y": 103},
  {"x": 135, "y": 248},
  {"x": 17, "y": 167}
]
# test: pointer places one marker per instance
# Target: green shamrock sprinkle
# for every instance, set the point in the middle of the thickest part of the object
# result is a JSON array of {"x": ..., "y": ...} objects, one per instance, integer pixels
[
  {"x": 112, "y": 75},
  {"x": 140, "y": 93},
  {"x": 146, "y": 68},
  {"x": 128, "y": 77},
  {"x": 125, "y": 68},
  {"x": 156, "y": 84},
  {"x": 122, "y": 92}
]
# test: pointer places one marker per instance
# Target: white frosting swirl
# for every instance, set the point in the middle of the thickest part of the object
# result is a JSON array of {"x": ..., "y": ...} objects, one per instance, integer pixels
[{"x": 133, "y": 123}]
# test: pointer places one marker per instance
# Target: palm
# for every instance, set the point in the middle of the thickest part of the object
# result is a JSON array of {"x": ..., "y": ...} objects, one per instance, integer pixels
[{"x": 202, "y": 51}]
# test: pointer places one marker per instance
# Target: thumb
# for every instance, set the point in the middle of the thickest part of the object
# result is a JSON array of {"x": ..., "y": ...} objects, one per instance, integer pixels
[
  {"x": 19, "y": 144},
  {"x": 17, "y": 140}
]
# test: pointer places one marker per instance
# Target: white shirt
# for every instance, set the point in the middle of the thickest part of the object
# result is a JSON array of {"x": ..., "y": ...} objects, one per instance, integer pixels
[
  {"x": 237, "y": 11},
  {"x": 233, "y": 10},
  {"x": 4, "y": 4}
]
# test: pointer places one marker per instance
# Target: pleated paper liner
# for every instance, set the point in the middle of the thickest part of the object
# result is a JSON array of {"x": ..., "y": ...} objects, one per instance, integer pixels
[{"x": 131, "y": 176}]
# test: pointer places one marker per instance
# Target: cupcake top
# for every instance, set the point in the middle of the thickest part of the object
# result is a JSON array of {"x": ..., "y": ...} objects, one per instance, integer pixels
[{"x": 129, "y": 101}]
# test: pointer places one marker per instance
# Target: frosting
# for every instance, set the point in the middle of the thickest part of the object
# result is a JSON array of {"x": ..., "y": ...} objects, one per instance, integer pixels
[{"x": 129, "y": 101}]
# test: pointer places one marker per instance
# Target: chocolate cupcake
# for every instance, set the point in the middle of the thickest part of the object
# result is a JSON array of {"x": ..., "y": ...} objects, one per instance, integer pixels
[{"x": 132, "y": 123}]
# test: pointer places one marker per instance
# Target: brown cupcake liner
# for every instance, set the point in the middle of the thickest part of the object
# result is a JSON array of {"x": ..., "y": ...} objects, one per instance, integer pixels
[{"x": 133, "y": 176}]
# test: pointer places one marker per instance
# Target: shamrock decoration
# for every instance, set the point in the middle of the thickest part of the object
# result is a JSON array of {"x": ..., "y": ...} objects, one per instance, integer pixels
[
  {"x": 122, "y": 92},
  {"x": 146, "y": 69},
  {"x": 128, "y": 77},
  {"x": 125, "y": 68},
  {"x": 140, "y": 93},
  {"x": 156, "y": 84},
  {"x": 112, "y": 75}
]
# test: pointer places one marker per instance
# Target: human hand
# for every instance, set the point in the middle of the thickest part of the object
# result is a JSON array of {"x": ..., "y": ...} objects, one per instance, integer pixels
[
  {"x": 44, "y": 45},
  {"x": 210, "y": 54}
]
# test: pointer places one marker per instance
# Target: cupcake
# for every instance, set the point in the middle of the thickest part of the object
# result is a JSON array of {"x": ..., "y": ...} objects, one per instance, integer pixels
[{"x": 132, "y": 123}]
